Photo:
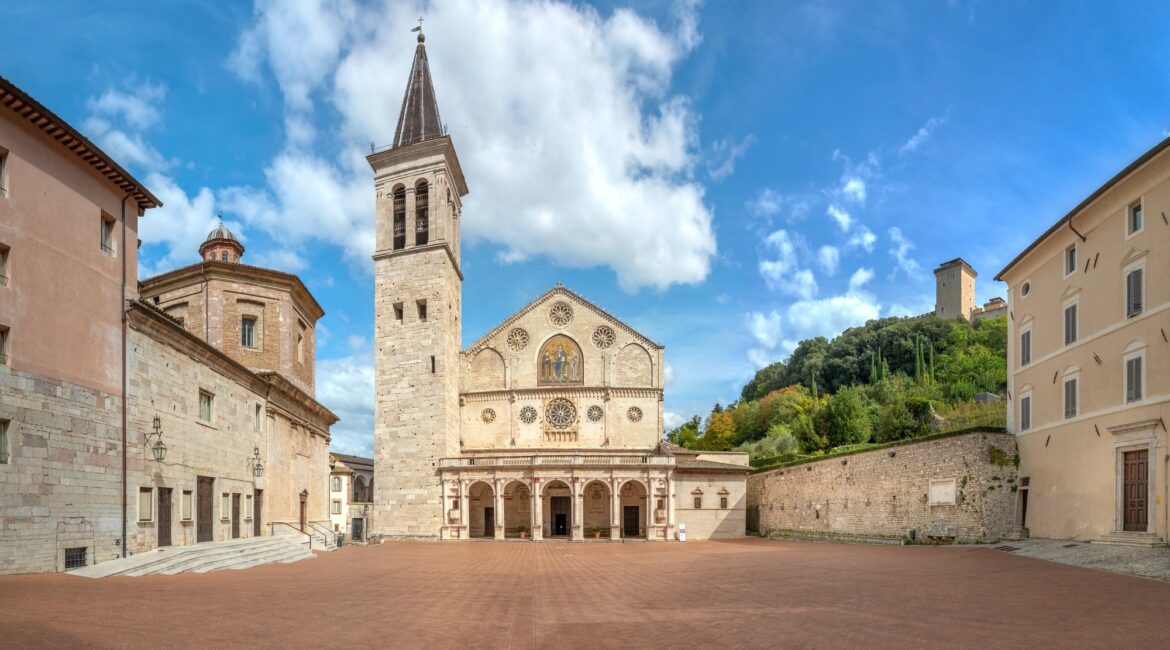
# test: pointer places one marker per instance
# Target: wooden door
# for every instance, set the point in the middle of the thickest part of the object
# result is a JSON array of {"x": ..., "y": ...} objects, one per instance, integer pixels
[
  {"x": 631, "y": 520},
  {"x": 561, "y": 508},
  {"x": 204, "y": 523},
  {"x": 257, "y": 522},
  {"x": 235, "y": 516},
  {"x": 359, "y": 529},
  {"x": 1136, "y": 491},
  {"x": 164, "y": 517},
  {"x": 489, "y": 522}
]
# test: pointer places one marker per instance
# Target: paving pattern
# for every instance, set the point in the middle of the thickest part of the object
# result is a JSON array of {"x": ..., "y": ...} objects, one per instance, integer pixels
[{"x": 747, "y": 593}]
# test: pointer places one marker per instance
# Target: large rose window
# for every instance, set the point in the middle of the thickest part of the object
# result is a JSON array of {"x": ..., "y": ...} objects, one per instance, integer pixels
[{"x": 560, "y": 413}]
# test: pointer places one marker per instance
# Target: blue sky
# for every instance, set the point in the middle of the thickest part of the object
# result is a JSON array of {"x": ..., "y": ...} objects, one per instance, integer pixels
[{"x": 728, "y": 177}]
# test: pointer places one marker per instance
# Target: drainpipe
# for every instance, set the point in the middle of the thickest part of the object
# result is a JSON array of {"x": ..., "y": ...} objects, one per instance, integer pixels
[
  {"x": 1070, "y": 227},
  {"x": 125, "y": 383}
]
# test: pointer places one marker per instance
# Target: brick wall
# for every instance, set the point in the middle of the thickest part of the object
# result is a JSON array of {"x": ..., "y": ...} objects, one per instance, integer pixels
[{"x": 887, "y": 491}]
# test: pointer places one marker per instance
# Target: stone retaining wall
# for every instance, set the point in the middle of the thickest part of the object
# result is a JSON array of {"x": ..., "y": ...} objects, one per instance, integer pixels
[{"x": 888, "y": 492}]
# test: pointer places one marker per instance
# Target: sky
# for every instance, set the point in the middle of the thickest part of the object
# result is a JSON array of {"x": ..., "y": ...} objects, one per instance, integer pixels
[{"x": 729, "y": 178}]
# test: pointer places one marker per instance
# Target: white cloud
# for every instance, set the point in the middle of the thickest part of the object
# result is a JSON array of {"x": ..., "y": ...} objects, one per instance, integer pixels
[
  {"x": 766, "y": 203},
  {"x": 922, "y": 135},
  {"x": 901, "y": 253},
  {"x": 829, "y": 258},
  {"x": 782, "y": 272},
  {"x": 765, "y": 328},
  {"x": 759, "y": 358},
  {"x": 346, "y": 387},
  {"x": 853, "y": 188},
  {"x": 587, "y": 162},
  {"x": 672, "y": 420},
  {"x": 844, "y": 221},
  {"x": 724, "y": 153},
  {"x": 862, "y": 238},
  {"x": 138, "y": 110},
  {"x": 830, "y": 316},
  {"x": 859, "y": 279},
  {"x": 667, "y": 374},
  {"x": 179, "y": 226}
]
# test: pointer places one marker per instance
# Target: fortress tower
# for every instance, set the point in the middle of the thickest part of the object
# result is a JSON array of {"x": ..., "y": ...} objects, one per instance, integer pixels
[
  {"x": 418, "y": 302},
  {"x": 954, "y": 289}
]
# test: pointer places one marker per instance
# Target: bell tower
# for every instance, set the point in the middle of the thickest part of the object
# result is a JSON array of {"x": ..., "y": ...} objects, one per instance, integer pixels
[{"x": 417, "y": 306}]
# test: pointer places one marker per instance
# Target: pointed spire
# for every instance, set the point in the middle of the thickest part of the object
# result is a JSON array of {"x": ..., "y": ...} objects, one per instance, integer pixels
[{"x": 419, "y": 119}]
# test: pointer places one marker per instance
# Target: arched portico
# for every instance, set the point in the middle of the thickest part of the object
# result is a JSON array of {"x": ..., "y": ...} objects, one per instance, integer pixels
[
  {"x": 557, "y": 497},
  {"x": 632, "y": 509},
  {"x": 597, "y": 509},
  {"x": 481, "y": 508},
  {"x": 517, "y": 509}
]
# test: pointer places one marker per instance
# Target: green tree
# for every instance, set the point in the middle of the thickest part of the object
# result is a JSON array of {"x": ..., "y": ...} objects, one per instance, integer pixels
[{"x": 845, "y": 418}]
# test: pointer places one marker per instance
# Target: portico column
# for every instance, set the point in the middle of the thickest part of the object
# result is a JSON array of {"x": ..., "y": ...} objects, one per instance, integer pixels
[
  {"x": 577, "y": 534},
  {"x": 537, "y": 514},
  {"x": 499, "y": 510},
  {"x": 670, "y": 497},
  {"x": 615, "y": 510},
  {"x": 649, "y": 505},
  {"x": 464, "y": 522}
]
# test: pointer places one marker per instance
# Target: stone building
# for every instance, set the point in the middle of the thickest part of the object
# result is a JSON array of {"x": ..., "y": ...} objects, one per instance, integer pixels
[
  {"x": 954, "y": 283},
  {"x": 1089, "y": 363},
  {"x": 88, "y": 366},
  {"x": 351, "y": 494},
  {"x": 550, "y": 425}
]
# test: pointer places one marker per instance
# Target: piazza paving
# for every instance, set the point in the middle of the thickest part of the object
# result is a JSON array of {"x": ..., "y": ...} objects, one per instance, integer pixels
[{"x": 743, "y": 593}]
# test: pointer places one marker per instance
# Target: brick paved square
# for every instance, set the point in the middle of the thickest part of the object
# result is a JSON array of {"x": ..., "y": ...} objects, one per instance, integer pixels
[{"x": 746, "y": 593}]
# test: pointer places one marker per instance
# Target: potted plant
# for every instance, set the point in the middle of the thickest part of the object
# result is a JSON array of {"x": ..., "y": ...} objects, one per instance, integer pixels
[
  {"x": 523, "y": 531},
  {"x": 597, "y": 532}
]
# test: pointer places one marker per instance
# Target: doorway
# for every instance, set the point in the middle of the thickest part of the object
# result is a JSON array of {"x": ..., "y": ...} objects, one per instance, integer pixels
[
  {"x": 631, "y": 520},
  {"x": 304, "y": 509},
  {"x": 205, "y": 531},
  {"x": 235, "y": 515},
  {"x": 164, "y": 517},
  {"x": 561, "y": 508},
  {"x": 257, "y": 522},
  {"x": 1136, "y": 490},
  {"x": 489, "y": 522},
  {"x": 359, "y": 530}
]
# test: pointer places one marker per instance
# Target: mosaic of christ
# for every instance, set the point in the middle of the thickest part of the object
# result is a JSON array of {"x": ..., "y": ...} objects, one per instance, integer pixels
[{"x": 560, "y": 361}]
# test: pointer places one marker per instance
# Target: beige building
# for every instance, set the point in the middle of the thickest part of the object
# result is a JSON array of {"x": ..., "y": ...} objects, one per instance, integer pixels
[
  {"x": 550, "y": 425},
  {"x": 123, "y": 428},
  {"x": 1088, "y": 364},
  {"x": 351, "y": 495}
]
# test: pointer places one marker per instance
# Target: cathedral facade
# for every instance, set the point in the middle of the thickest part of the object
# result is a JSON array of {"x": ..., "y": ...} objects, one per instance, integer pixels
[{"x": 551, "y": 425}]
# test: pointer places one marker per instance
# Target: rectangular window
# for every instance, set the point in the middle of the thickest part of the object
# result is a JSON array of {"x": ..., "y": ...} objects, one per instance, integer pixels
[
  {"x": 1070, "y": 260},
  {"x": 1070, "y": 398},
  {"x": 698, "y": 503},
  {"x": 3, "y": 441},
  {"x": 1070, "y": 324},
  {"x": 432, "y": 364},
  {"x": 185, "y": 508},
  {"x": 1133, "y": 379},
  {"x": 248, "y": 506},
  {"x": 422, "y": 310},
  {"x": 225, "y": 508},
  {"x": 335, "y": 507},
  {"x": 3, "y": 345},
  {"x": 145, "y": 504},
  {"x": 1025, "y": 413},
  {"x": 1026, "y": 348},
  {"x": 206, "y": 402},
  {"x": 3, "y": 173},
  {"x": 75, "y": 558},
  {"x": 1133, "y": 293},
  {"x": 1135, "y": 218},
  {"x": 398, "y": 311},
  {"x": 3, "y": 265},
  {"x": 107, "y": 235},
  {"x": 723, "y": 503},
  {"x": 248, "y": 332},
  {"x": 259, "y": 418}
]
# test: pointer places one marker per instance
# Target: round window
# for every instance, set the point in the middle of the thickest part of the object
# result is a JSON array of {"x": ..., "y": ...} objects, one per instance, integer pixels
[{"x": 1026, "y": 289}]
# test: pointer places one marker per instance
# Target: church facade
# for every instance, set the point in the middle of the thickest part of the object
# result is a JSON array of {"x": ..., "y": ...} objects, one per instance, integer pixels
[{"x": 551, "y": 425}]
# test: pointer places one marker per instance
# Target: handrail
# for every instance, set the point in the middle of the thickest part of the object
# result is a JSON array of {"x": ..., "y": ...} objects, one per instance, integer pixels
[
  {"x": 298, "y": 530},
  {"x": 325, "y": 532}
]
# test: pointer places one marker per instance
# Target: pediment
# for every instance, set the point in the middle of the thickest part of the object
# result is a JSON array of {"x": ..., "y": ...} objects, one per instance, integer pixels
[{"x": 1134, "y": 255}]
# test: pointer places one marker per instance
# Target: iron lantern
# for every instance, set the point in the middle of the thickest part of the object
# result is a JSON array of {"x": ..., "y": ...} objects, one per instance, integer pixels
[
  {"x": 159, "y": 448},
  {"x": 257, "y": 466}
]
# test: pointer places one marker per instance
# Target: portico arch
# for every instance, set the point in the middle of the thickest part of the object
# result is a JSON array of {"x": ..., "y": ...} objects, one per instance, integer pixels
[
  {"x": 597, "y": 507},
  {"x": 632, "y": 497},
  {"x": 557, "y": 508},
  {"x": 481, "y": 510},
  {"x": 517, "y": 508}
]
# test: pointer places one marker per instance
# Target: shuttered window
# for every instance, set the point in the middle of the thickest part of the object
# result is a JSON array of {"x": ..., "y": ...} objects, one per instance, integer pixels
[
  {"x": 1070, "y": 324},
  {"x": 1133, "y": 293},
  {"x": 1070, "y": 398},
  {"x": 1025, "y": 413},
  {"x": 1133, "y": 379},
  {"x": 1026, "y": 348}
]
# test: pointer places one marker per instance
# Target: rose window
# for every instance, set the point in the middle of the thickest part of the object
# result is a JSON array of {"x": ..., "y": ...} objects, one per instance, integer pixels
[
  {"x": 595, "y": 414},
  {"x": 528, "y": 415},
  {"x": 634, "y": 414},
  {"x": 560, "y": 314},
  {"x": 488, "y": 416},
  {"x": 603, "y": 337},
  {"x": 560, "y": 413},
  {"x": 517, "y": 339}
]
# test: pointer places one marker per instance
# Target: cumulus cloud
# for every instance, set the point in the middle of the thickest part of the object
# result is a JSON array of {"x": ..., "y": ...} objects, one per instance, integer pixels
[
  {"x": 117, "y": 121},
  {"x": 724, "y": 153},
  {"x": 829, "y": 257},
  {"x": 588, "y": 161},
  {"x": 853, "y": 188},
  {"x": 766, "y": 203},
  {"x": 672, "y": 420},
  {"x": 901, "y": 254},
  {"x": 766, "y": 330},
  {"x": 782, "y": 271},
  {"x": 862, "y": 238},
  {"x": 922, "y": 135},
  {"x": 843, "y": 219},
  {"x": 346, "y": 386},
  {"x": 830, "y": 316},
  {"x": 667, "y": 374}
]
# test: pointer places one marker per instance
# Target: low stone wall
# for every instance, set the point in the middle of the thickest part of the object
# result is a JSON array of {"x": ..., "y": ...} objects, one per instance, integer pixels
[{"x": 961, "y": 488}]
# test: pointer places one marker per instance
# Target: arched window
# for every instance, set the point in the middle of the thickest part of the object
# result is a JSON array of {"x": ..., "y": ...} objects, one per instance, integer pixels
[
  {"x": 421, "y": 203},
  {"x": 399, "y": 218},
  {"x": 359, "y": 490},
  {"x": 560, "y": 361},
  {"x": 223, "y": 256},
  {"x": 336, "y": 487}
]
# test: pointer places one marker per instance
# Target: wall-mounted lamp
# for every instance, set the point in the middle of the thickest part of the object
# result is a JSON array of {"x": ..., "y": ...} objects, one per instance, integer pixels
[
  {"x": 257, "y": 466},
  {"x": 159, "y": 449}
]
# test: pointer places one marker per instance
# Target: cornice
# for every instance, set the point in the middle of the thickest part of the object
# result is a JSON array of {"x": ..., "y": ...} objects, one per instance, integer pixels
[
  {"x": 208, "y": 270},
  {"x": 549, "y": 392},
  {"x": 385, "y": 255}
]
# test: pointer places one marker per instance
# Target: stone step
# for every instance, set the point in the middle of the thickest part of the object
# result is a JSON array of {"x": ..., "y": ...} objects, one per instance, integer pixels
[
  {"x": 1128, "y": 538},
  {"x": 207, "y": 556},
  {"x": 840, "y": 538},
  {"x": 1016, "y": 533},
  {"x": 247, "y": 560},
  {"x": 200, "y": 564},
  {"x": 197, "y": 555}
]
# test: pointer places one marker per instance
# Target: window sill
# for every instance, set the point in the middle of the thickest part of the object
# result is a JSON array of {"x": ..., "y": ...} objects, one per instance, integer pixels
[{"x": 186, "y": 522}]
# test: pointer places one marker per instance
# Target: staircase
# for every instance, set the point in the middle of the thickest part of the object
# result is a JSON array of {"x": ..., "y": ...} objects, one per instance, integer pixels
[
  {"x": 322, "y": 541},
  {"x": 209, "y": 556},
  {"x": 1129, "y": 538}
]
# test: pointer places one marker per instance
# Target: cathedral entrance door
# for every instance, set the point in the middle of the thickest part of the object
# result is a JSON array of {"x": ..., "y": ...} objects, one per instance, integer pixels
[
  {"x": 560, "y": 509},
  {"x": 164, "y": 517},
  {"x": 630, "y": 521},
  {"x": 489, "y": 522},
  {"x": 235, "y": 516},
  {"x": 204, "y": 531}
]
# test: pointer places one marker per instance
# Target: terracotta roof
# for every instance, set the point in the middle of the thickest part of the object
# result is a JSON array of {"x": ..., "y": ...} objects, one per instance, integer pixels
[
  {"x": 18, "y": 101},
  {"x": 354, "y": 462},
  {"x": 419, "y": 119}
]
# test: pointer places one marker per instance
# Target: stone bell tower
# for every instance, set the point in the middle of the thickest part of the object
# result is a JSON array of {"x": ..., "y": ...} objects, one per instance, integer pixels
[{"x": 417, "y": 306}]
